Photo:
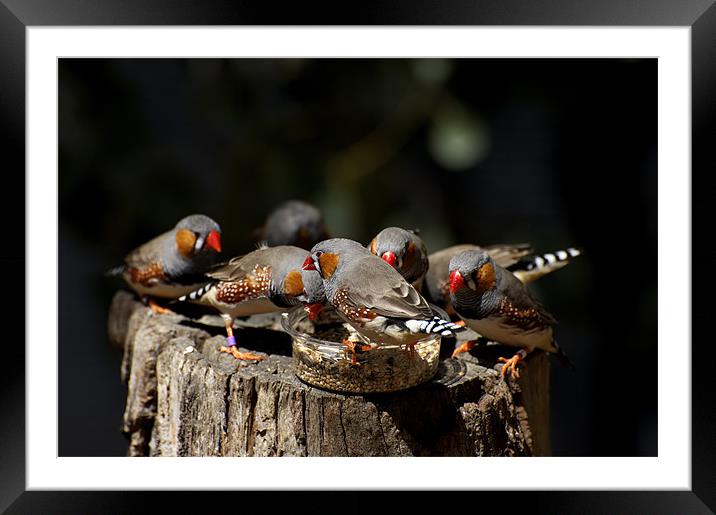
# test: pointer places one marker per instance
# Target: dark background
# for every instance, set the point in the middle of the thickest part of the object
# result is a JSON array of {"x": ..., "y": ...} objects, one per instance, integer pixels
[{"x": 554, "y": 152}]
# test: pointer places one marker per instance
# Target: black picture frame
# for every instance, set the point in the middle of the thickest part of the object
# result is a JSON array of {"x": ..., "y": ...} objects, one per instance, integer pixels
[{"x": 700, "y": 15}]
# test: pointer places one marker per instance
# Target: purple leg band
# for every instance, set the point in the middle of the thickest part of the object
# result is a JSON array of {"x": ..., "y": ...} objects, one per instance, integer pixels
[{"x": 230, "y": 341}]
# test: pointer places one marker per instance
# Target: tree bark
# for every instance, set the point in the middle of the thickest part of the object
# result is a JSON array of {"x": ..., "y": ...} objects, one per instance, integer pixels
[{"x": 185, "y": 398}]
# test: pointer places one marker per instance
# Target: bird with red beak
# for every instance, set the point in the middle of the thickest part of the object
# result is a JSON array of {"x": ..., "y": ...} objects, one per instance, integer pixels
[
  {"x": 267, "y": 280},
  {"x": 404, "y": 250},
  {"x": 495, "y": 304},
  {"x": 173, "y": 263},
  {"x": 372, "y": 296},
  {"x": 294, "y": 222},
  {"x": 519, "y": 259}
]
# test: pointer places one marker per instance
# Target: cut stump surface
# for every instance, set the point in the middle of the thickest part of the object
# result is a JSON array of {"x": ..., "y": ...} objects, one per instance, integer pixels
[{"x": 185, "y": 398}]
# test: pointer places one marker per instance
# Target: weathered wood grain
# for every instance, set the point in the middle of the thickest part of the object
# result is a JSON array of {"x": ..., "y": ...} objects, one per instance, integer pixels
[{"x": 185, "y": 398}]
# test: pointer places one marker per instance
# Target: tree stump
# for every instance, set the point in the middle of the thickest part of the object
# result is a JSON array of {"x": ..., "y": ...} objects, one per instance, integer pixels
[{"x": 185, "y": 398}]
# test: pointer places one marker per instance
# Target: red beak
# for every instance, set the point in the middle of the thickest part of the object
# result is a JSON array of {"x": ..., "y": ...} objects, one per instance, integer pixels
[
  {"x": 308, "y": 264},
  {"x": 389, "y": 258},
  {"x": 456, "y": 281},
  {"x": 213, "y": 241},
  {"x": 314, "y": 310}
]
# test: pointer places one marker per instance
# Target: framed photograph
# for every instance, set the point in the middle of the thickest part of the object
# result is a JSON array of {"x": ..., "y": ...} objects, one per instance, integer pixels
[{"x": 571, "y": 130}]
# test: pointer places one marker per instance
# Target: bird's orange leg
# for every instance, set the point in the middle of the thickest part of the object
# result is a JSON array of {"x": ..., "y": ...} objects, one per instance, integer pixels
[
  {"x": 512, "y": 363},
  {"x": 351, "y": 347},
  {"x": 155, "y": 307},
  {"x": 231, "y": 347},
  {"x": 465, "y": 347},
  {"x": 354, "y": 348}
]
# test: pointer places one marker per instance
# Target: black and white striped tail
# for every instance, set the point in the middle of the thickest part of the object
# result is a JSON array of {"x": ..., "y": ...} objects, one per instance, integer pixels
[
  {"x": 434, "y": 325},
  {"x": 196, "y": 294},
  {"x": 532, "y": 267}
]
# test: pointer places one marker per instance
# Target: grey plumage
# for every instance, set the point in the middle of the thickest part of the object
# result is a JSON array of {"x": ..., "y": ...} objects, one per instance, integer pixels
[
  {"x": 281, "y": 259},
  {"x": 386, "y": 291},
  {"x": 237, "y": 268},
  {"x": 266, "y": 280},
  {"x": 372, "y": 296},
  {"x": 435, "y": 285},
  {"x": 382, "y": 289},
  {"x": 313, "y": 287},
  {"x": 296, "y": 223},
  {"x": 409, "y": 250},
  {"x": 175, "y": 273},
  {"x": 163, "y": 248},
  {"x": 500, "y": 308}
]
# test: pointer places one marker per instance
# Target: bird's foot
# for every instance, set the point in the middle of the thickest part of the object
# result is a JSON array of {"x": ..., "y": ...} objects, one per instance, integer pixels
[
  {"x": 410, "y": 347},
  {"x": 156, "y": 308},
  {"x": 236, "y": 353},
  {"x": 512, "y": 364},
  {"x": 465, "y": 347},
  {"x": 244, "y": 356},
  {"x": 354, "y": 348}
]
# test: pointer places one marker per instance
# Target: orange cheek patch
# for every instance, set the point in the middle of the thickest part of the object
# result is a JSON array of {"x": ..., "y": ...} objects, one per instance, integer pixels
[
  {"x": 185, "y": 240},
  {"x": 373, "y": 244},
  {"x": 485, "y": 278},
  {"x": 328, "y": 262},
  {"x": 293, "y": 284}
]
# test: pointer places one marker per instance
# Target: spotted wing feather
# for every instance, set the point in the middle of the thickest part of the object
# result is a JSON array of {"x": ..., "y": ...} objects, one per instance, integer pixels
[
  {"x": 519, "y": 306},
  {"x": 254, "y": 285}
]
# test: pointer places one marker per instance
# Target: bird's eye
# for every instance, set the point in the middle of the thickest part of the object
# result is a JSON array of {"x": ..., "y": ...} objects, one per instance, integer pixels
[{"x": 319, "y": 254}]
